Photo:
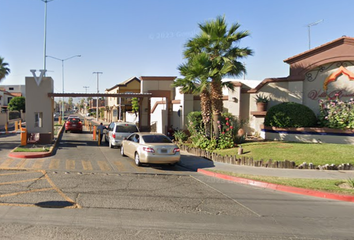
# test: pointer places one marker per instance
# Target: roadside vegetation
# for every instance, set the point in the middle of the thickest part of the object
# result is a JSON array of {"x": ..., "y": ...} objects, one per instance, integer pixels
[
  {"x": 329, "y": 185},
  {"x": 318, "y": 154},
  {"x": 33, "y": 148}
]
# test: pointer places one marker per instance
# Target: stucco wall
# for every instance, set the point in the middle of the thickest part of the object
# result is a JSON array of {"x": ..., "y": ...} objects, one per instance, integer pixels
[
  {"x": 314, "y": 85},
  {"x": 37, "y": 101}
]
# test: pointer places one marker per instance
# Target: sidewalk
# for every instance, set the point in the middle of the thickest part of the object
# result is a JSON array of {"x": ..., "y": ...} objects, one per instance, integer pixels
[
  {"x": 195, "y": 163},
  {"x": 204, "y": 166}
]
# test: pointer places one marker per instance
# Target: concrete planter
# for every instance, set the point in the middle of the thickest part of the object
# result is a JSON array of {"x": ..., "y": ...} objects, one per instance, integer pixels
[{"x": 314, "y": 135}]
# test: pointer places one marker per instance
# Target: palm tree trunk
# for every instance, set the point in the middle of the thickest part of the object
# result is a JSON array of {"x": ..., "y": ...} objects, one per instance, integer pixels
[
  {"x": 205, "y": 104},
  {"x": 217, "y": 105}
]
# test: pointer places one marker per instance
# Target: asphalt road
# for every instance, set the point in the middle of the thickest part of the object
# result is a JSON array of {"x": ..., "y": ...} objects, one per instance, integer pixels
[{"x": 87, "y": 191}]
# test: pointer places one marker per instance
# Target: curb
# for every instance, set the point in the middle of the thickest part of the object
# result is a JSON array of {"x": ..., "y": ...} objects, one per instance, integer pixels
[
  {"x": 29, "y": 154},
  {"x": 37, "y": 154},
  {"x": 302, "y": 191}
]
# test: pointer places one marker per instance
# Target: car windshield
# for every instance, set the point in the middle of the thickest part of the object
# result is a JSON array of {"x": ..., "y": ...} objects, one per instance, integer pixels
[
  {"x": 156, "y": 139},
  {"x": 126, "y": 128}
]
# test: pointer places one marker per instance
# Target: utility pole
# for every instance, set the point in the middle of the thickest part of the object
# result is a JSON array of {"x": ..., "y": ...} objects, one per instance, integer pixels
[
  {"x": 86, "y": 87},
  {"x": 98, "y": 90}
]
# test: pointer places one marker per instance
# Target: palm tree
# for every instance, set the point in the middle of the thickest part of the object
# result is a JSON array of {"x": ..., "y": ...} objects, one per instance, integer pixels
[
  {"x": 221, "y": 47},
  {"x": 4, "y": 70},
  {"x": 195, "y": 81}
]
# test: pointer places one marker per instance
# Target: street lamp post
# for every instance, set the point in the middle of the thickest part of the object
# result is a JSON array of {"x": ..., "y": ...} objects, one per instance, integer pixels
[
  {"x": 98, "y": 90},
  {"x": 45, "y": 35},
  {"x": 309, "y": 30},
  {"x": 62, "y": 76}
]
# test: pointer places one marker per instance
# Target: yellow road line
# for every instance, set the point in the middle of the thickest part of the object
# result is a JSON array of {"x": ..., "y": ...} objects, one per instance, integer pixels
[
  {"x": 6, "y": 163},
  {"x": 140, "y": 169},
  {"x": 120, "y": 166},
  {"x": 15, "y": 173},
  {"x": 38, "y": 164},
  {"x": 104, "y": 166},
  {"x": 26, "y": 180},
  {"x": 54, "y": 164},
  {"x": 70, "y": 164},
  {"x": 86, "y": 165},
  {"x": 17, "y": 205},
  {"x": 23, "y": 192},
  {"x": 75, "y": 205},
  {"x": 20, "y": 164}
]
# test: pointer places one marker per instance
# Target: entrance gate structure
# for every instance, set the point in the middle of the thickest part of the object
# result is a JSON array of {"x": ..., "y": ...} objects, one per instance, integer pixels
[{"x": 40, "y": 107}]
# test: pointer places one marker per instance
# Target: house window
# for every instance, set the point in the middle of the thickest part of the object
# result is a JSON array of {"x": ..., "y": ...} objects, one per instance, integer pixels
[
  {"x": 11, "y": 88},
  {"x": 8, "y": 100},
  {"x": 38, "y": 119}
]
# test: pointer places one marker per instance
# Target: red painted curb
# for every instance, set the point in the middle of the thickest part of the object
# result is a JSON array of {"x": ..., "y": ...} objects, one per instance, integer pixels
[
  {"x": 29, "y": 155},
  {"x": 303, "y": 191}
]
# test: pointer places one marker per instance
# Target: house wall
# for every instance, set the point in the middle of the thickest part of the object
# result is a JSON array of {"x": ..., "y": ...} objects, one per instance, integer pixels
[
  {"x": 5, "y": 98},
  {"x": 232, "y": 103},
  {"x": 315, "y": 80}
]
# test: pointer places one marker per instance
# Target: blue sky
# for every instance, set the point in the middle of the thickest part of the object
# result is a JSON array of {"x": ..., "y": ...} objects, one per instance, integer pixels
[{"x": 124, "y": 39}]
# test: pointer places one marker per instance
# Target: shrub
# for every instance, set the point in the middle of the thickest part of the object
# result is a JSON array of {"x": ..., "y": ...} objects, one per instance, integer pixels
[
  {"x": 195, "y": 122},
  {"x": 180, "y": 136},
  {"x": 229, "y": 127},
  {"x": 335, "y": 113},
  {"x": 290, "y": 114}
]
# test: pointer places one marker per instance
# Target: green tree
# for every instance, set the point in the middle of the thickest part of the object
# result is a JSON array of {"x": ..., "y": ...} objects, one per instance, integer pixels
[
  {"x": 135, "y": 105},
  {"x": 82, "y": 102},
  {"x": 221, "y": 46},
  {"x": 17, "y": 104},
  {"x": 70, "y": 103},
  {"x": 4, "y": 70},
  {"x": 195, "y": 81}
]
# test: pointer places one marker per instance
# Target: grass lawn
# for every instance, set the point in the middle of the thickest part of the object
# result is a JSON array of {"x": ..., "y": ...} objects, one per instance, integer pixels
[
  {"x": 318, "y": 154},
  {"x": 32, "y": 148},
  {"x": 328, "y": 185}
]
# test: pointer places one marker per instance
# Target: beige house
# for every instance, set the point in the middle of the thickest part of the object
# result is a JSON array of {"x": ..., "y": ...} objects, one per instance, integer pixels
[
  {"x": 7, "y": 92},
  {"x": 314, "y": 75},
  {"x": 117, "y": 107}
]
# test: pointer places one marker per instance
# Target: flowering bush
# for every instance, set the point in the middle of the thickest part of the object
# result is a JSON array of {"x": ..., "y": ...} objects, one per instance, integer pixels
[
  {"x": 225, "y": 139},
  {"x": 335, "y": 113},
  {"x": 229, "y": 128}
]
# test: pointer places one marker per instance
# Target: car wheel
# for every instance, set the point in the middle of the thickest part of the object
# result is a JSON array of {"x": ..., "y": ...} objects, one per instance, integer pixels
[
  {"x": 122, "y": 151},
  {"x": 137, "y": 159}
]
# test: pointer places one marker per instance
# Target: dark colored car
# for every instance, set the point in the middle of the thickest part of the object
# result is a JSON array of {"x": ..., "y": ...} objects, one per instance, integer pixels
[{"x": 73, "y": 124}]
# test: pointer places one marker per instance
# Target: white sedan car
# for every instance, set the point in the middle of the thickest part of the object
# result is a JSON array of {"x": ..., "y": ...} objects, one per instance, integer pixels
[{"x": 150, "y": 148}]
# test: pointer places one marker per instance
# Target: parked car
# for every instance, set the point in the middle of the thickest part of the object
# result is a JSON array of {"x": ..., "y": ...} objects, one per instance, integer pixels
[
  {"x": 73, "y": 124},
  {"x": 150, "y": 148},
  {"x": 117, "y": 131}
]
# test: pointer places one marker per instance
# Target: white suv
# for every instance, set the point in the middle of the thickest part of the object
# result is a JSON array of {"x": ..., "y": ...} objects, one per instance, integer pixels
[{"x": 118, "y": 131}]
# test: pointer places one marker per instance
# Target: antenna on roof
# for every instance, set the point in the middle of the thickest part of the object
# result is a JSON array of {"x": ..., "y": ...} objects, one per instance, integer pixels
[{"x": 309, "y": 29}]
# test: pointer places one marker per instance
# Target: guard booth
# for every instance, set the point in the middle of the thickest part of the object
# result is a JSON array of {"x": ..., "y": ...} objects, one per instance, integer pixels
[{"x": 39, "y": 108}]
